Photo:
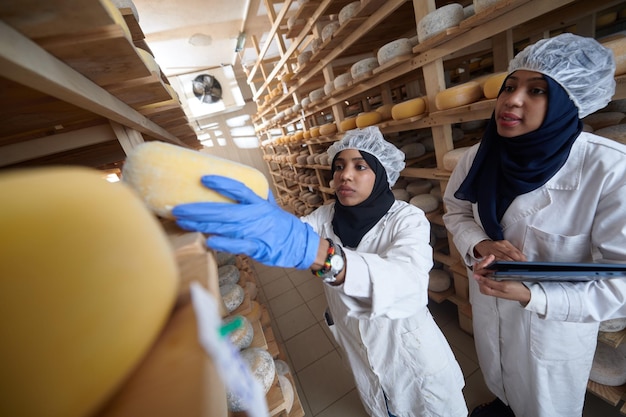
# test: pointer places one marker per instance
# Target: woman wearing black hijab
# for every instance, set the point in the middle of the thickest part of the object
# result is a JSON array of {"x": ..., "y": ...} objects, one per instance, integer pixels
[
  {"x": 373, "y": 254},
  {"x": 538, "y": 188}
]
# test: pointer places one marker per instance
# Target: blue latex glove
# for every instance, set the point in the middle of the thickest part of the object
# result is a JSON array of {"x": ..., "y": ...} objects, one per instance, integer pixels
[{"x": 255, "y": 227}]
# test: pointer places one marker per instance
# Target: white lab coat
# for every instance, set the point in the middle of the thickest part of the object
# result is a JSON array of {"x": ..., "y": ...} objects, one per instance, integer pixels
[
  {"x": 538, "y": 358},
  {"x": 382, "y": 321}
]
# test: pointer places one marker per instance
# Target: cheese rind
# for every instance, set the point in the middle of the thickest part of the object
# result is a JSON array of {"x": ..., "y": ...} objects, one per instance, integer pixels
[
  {"x": 368, "y": 119},
  {"x": 88, "y": 281},
  {"x": 459, "y": 95},
  {"x": 166, "y": 175},
  {"x": 408, "y": 109},
  {"x": 492, "y": 85}
]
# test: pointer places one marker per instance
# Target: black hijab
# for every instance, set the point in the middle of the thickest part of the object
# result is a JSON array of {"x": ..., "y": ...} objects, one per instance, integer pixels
[
  {"x": 351, "y": 223},
  {"x": 507, "y": 167}
]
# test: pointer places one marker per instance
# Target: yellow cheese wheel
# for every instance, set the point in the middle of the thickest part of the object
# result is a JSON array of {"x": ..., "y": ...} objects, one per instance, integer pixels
[
  {"x": 409, "y": 108},
  {"x": 166, "y": 175},
  {"x": 492, "y": 85},
  {"x": 88, "y": 279},
  {"x": 368, "y": 119},
  {"x": 347, "y": 124},
  {"x": 315, "y": 131},
  {"x": 306, "y": 134},
  {"x": 149, "y": 60},
  {"x": 618, "y": 46},
  {"x": 328, "y": 129},
  {"x": 385, "y": 111},
  {"x": 459, "y": 95}
]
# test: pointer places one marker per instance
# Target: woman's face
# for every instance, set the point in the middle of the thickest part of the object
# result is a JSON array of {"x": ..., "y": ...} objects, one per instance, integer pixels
[
  {"x": 354, "y": 178},
  {"x": 522, "y": 105}
]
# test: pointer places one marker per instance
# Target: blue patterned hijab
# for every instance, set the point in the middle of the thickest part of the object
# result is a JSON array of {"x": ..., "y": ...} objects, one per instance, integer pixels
[{"x": 507, "y": 167}]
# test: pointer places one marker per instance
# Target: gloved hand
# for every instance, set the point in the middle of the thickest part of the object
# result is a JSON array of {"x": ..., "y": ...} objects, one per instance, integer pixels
[{"x": 255, "y": 227}]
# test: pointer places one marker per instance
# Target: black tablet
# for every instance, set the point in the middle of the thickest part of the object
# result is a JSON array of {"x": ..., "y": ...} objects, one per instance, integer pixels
[{"x": 555, "y": 271}]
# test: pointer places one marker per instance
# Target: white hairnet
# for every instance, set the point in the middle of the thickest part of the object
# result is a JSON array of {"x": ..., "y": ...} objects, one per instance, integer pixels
[
  {"x": 582, "y": 66},
  {"x": 370, "y": 140}
]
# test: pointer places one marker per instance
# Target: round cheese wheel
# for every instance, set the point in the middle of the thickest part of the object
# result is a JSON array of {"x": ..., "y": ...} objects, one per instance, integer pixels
[
  {"x": 304, "y": 57},
  {"x": 438, "y": 280},
  {"x": 166, "y": 175},
  {"x": 88, "y": 281},
  {"x": 401, "y": 194},
  {"x": 306, "y": 101},
  {"x": 241, "y": 337},
  {"x": 232, "y": 295},
  {"x": 413, "y": 150},
  {"x": 604, "y": 119},
  {"x": 342, "y": 80},
  {"x": 492, "y": 85},
  {"x": 287, "y": 389},
  {"x": 328, "y": 30},
  {"x": 394, "y": 49},
  {"x": 451, "y": 158},
  {"x": 347, "y": 124},
  {"x": 429, "y": 143},
  {"x": 459, "y": 95},
  {"x": 409, "y": 108},
  {"x": 613, "y": 325},
  {"x": 439, "y": 20},
  {"x": 149, "y": 60},
  {"x": 328, "y": 129},
  {"x": 228, "y": 274},
  {"x": 436, "y": 192},
  {"x": 617, "y": 133},
  {"x": 316, "y": 95},
  {"x": 263, "y": 369},
  {"x": 328, "y": 88},
  {"x": 609, "y": 366},
  {"x": 385, "y": 111},
  {"x": 419, "y": 186},
  {"x": 224, "y": 258},
  {"x": 363, "y": 67},
  {"x": 426, "y": 202},
  {"x": 618, "y": 46},
  {"x": 281, "y": 367},
  {"x": 368, "y": 119},
  {"x": 481, "y": 5},
  {"x": 606, "y": 19},
  {"x": 348, "y": 11},
  {"x": 315, "y": 131}
]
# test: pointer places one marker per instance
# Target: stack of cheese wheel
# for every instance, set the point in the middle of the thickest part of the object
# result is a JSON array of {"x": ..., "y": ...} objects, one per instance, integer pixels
[
  {"x": 451, "y": 158},
  {"x": 394, "y": 49},
  {"x": 224, "y": 258},
  {"x": 438, "y": 280},
  {"x": 363, "y": 67},
  {"x": 263, "y": 369},
  {"x": 409, "y": 108},
  {"x": 492, "y": 85},
  {"x": 304, "y": 57},
  {"x": 459, "y": 95},
  {"x": 89, "y": 280},
  {"x": 368, "y": 119},
  {"x": 609, "y": 365},
  {"x": 439, "y": 20}
]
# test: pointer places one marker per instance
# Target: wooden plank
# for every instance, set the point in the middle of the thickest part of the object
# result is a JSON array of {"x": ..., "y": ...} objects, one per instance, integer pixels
[
  {"x": 612, "y": 395},
  {"x": 24, "y": 62},
  {"x": 61, "y": 16},
  {"x": 613, "y": 339},
  {"x": 176, "y": 378}
]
